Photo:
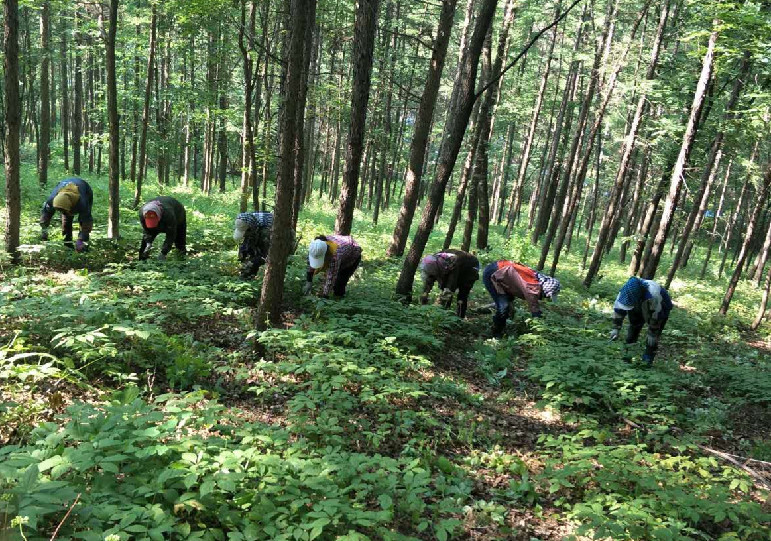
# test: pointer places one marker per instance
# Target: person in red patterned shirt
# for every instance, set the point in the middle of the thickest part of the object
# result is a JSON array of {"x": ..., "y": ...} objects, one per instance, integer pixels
[
  {"x": 505, "y": 280},
  {"x": 339, "y": 256}
]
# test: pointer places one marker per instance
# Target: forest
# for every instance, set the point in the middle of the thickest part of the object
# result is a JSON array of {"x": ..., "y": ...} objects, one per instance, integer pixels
[{"x": 294, "y": 376}]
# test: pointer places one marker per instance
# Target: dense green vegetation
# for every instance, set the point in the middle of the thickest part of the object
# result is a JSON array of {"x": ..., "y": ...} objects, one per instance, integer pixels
[{"x": 140, "y": 390}]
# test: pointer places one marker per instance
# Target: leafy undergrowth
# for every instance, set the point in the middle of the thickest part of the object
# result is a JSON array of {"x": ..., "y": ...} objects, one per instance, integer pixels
[{"x": 137, "y": 395}]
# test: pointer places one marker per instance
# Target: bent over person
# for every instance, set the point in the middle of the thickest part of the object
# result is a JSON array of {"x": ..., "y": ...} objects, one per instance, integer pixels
[
  {"x": 163, "y": 214},
  {"x": 70, "y": 197},
  {"x": 644, "y": 301},
  {"x": 339, "y": 256},
  {"x": 253, "y": 231},
  {"x": 505, "y": 280},
  {"x": 453, "y": 269}
]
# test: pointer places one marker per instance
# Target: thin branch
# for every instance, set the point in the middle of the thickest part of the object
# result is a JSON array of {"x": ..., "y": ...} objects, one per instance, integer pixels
[
  {"x": 729, "y": 458},
  {"x": 56, "y": 531},
  {"x": 522, "y": 53}
]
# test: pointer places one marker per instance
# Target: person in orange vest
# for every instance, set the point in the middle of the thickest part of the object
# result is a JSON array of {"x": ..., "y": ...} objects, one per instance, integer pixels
[{"x": 505, "y": 280}]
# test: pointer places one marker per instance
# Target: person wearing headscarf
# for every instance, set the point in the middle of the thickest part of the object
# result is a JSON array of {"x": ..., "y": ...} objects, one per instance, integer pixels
[
  {"x": 505, "y": 280},
  {"x": 163, "y": 214},
  {"x": 70, "y": 197},
  {"x": 252, "y": 230},
  {"x": 339, "y": 256},
  {"x": 644, "y": 301},
  {"x": 452, "y": 269}
]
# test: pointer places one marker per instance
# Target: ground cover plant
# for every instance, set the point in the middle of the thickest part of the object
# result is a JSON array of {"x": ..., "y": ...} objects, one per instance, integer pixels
[{"x": 138, "y": 402}]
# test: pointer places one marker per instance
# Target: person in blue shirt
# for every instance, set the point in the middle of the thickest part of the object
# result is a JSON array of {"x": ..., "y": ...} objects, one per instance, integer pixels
[
  {"x": 644, "y": 301},
  {"x": 70, "y": 197}
]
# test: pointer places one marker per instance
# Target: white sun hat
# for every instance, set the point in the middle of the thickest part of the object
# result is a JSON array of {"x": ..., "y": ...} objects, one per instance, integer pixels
[
  {"x": 316, "y": 252},
  {"x": 240, "y": 230}
]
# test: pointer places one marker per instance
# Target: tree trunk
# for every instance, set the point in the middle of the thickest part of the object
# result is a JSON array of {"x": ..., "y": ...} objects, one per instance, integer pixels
[
  {"x": 272, "y": 293},
  {"x": 685, "y": 150},
  {"x": 515, "y": 198},
  {"x": 146, "y": 110},
  {"x": 45, "y": 100},
  {"x": 763, "y": 303},
  {"x": 12, "y": 128},
  {"x": 760, "y": 263},
  {"x": 760, "y": 203},
  {"x": 609, "y": 218},
  {"x": 299, "y": 145},
  {"x": 363, "y": 46},
  {"x": 557, "y": 207},
  {"x": 461, "y": 103},
  {"x": 572, "y": 203},
  {"x": 77, "y": 114},
  {"x": 713, "y": 233},
  {"x": 65, "y": 116},
  {"x": 552, "y": 172},
  {"x": 715, "y": 151},
  {"x": 247, "y": 153},
  {"x": 113, "y": 220}
]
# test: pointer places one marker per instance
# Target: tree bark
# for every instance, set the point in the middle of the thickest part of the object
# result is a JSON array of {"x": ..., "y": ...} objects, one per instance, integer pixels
[
  {"x": 146, "y": 110},
  {"x": 12, "y": 128},
  {"x": 685, "y": 150},
  {"x": 65, "y": 116},
  {"x": 557, "y": 208},
  {"x": 113, "y": 219},
  {"x": 299, "y": 145},
  {"x": 461, "y": 103},
  {"x": 269, "y": 311},
  {"x": 515, "y": 199},
  {"x": 609, "y": 218},
  {"x": 44, "y": 142},
  {"x": 759, "y": 205},
  {"x": 715, "y": 151},
  {"x": 77, "y": 114},
  {"x": 363, "y": 46},
  {"x": 713, "y": 233}
]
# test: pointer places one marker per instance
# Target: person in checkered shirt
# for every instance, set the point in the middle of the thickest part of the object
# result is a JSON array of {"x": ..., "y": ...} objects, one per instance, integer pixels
[
  {"x": 337, "y": 255},
  {"x": 252, "y": 230}
]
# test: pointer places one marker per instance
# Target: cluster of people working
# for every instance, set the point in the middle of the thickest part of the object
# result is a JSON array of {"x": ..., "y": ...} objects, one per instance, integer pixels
[{"x": 338, "y": 256}]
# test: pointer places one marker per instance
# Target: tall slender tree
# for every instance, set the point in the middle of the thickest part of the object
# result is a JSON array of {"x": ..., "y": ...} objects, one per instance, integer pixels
[
  {"x": 461, "y": 103},
  {"x": 12, "y": 127},
  {"x": 44, "y": 140},
  {"x": 682, "y": 159},
  {"x": 363, "y": 46},
  {"x": 113, "y": 219},
  {"x": 271, "y": 297}
]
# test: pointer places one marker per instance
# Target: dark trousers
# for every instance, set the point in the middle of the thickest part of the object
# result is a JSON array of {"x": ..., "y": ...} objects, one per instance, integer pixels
[
  {"x": 85, "y": 228},
  {"x": 501, "y": 300},
  {"x": 343, "y": 275},
  {"x": 655, "y": 328}
]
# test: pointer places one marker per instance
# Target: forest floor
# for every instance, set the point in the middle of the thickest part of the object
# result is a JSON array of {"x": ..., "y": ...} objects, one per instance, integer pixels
[{"x": 138, "y": 395}]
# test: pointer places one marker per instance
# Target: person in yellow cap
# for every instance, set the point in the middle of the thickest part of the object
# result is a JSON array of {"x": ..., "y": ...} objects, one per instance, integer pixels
[{"x": 70, "y": 197}]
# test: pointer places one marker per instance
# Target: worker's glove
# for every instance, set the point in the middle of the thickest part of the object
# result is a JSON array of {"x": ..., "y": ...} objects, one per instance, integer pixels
[
  {"x": 446, "y": 295},
  {"x": 80, "y": 246},
  {"x": 536, "y": 314},
  {"x": 44, "y": 234},
  {"x": 161, "y": 257},
  {"x": 613, "y": 334},
  {"x": 307, "y": 288},
  {"x": 647, "y": 360}
]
